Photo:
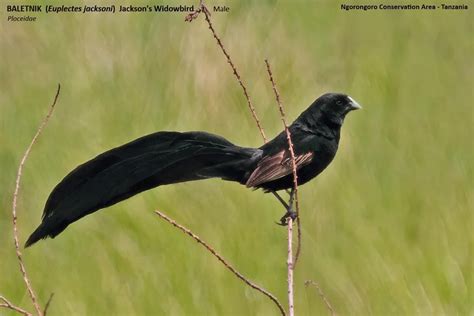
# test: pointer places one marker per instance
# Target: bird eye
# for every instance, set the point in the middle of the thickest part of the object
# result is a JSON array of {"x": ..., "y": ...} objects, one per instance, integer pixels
[{"x": 339, "y": 102}]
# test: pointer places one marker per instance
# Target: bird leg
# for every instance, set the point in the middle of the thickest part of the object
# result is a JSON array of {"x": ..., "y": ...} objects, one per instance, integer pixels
[
  {"x": 290, "y": 213},
  {"x": 280, "y": 199}
]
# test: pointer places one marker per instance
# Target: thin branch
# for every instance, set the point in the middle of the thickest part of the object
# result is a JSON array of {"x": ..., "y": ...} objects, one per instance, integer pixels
[
  {"x": 222, "y": 260},
  {"x": 14, "y": 214},
  {"x": 46, "y": 307},
  {"x": 298, "y": 246},
  {"x": 291, "y": 263},
  {"x": 290, "y": 268},
  {"x": 292, "y": 154},
  {"x": 9, "y": 305},
  {"x": 288, "y": 135},
  {"x": 293, "y": 162},
  {"x": 321, "y": 294},
  {"x": 193, "y": 15},
  {"x": 202, "y": 9}
]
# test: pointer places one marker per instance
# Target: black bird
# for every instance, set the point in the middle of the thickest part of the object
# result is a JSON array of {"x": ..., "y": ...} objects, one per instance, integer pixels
[{"x": 171, "y": 157}]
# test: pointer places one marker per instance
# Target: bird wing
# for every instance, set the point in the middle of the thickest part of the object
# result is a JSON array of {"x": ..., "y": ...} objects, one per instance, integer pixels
[{"x": 276, "y": 166}]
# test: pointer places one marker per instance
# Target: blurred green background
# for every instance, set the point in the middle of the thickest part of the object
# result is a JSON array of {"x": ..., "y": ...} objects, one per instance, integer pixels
[{"x": 387, "y": 228}]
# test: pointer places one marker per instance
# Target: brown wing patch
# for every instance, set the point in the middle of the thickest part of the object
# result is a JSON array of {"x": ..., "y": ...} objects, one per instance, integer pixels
[{"x": 277, "y": 166}]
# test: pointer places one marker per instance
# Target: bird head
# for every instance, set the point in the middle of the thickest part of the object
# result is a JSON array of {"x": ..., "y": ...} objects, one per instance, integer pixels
[
  {"x": 330, "y": 107},
  {"x": 336, "y": 104}
]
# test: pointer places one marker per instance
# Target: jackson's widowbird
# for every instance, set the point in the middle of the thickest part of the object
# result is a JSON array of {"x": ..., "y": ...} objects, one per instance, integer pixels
[{"x": 171, "y": 157}]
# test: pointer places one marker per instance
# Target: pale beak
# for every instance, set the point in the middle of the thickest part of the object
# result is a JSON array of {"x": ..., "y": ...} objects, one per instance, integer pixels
[{"x": 354, "y": 104}]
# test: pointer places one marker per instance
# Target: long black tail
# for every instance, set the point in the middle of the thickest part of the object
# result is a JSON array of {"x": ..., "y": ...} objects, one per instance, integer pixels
[{"x": 157, "y": 159}]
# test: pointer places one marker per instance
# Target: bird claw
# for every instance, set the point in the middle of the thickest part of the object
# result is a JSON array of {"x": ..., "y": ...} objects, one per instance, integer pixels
[{"x": 284, "y": 219}]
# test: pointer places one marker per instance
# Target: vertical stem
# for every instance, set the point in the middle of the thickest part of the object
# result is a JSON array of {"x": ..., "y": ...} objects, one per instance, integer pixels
[
  {"x": 291, "y": 306},
  {"x": 29, "y": 288},
  {"x": 293, "y": 195}
]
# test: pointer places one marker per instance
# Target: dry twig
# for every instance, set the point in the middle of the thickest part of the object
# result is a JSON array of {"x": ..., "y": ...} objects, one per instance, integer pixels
[
  {"x": 291, "y": 262},
  {"x": 298, "y": 246},
  {"x": 290, "y": 268},
  {"x": 9, "y": 305},
  {"x": 321, "y": 294},
  {"x": 46, "y": 307},
  {"x": 202, "y": 9},
  {"x": 222, "y": 260},
  {"x": 293, "y": 162},
  {"x": 31, "y": 292}
]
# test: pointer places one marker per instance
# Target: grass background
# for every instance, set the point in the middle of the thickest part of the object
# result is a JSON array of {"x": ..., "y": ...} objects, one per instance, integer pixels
[{"x": 387, "y": 228}]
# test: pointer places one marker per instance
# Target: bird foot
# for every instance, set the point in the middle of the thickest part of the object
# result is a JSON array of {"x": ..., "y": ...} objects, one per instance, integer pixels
[{"x": 289, "y": 214}]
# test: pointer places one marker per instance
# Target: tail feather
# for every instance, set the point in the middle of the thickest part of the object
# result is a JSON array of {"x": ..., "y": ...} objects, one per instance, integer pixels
[{"x": 157, "y": 159}]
